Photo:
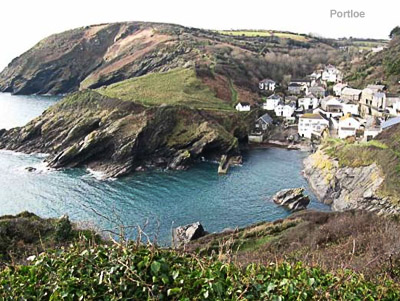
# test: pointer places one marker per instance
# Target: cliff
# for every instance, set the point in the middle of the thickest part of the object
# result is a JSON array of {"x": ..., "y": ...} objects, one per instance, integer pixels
[
  {"x": 346, "y": 188},
  {"x": 116, "y": 137},
  {"x": 357, "y": 175}
]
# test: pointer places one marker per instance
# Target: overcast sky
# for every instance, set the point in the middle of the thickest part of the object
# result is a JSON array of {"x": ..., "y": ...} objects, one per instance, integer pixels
[{"x": 25, "y": 22}]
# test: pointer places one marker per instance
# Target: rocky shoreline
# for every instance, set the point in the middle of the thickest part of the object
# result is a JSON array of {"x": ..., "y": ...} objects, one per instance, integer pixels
[
  {"x": 346, "y": 188},
  {"x": 117, "y": 137}
]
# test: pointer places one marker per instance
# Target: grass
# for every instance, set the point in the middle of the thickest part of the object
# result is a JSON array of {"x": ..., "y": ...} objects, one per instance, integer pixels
[
  {"x": 254, "y": 33},
  {"x": 323, "y": 239},
  {"x": 235, "y": 98},
  {"x": 178, "y": 86}
]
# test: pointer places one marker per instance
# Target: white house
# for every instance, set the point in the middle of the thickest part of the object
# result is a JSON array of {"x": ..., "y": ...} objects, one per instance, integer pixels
[
  {"x": 285, "y": 110},
  {"x": 351, "y": 94},
  {"x": 393, "y": 104},
  {"x": 308, "y": 102},
  {"x": 332, "y": 107},
  {"x": 338, "y": 88},
  {"x": 267, "y": 84},
  {"x": 332, "y": 74},
  {"x": 368, "y": 93},
  {"x": 312, "y": 124},
  {"x": 348, "y": 126},
  {"x": 243, "y": 107},
  {"x": 271, "y": 102},
  {"x": 350, "y": 108},
  {"x": 314, "y": 77},
  {"x": 379, "y": 100}
]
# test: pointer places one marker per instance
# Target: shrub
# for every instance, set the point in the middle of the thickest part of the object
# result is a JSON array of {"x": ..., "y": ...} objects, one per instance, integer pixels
[{"x": 120, "y": 272}]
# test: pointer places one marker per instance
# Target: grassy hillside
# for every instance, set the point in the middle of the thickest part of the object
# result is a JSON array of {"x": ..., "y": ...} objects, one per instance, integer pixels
[
  {"x": 89, "y": 270},
  {"x": 383, "y": 67},
  {"x": 100, "y": 55},
  {"x": 384, "y": 150},
  {"x": 359, "y": 241},
  {"x": 179, "y": 86},
  {"x": 264, "y": 33}
]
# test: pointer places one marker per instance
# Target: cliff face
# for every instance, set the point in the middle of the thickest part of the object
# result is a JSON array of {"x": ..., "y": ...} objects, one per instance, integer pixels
[
  {"x": 346, "y": 188},
  {"x": 116, "y": 137}
]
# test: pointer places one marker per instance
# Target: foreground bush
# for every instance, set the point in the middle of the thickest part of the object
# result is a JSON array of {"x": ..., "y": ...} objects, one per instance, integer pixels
[{"x": 120, "y": 272}]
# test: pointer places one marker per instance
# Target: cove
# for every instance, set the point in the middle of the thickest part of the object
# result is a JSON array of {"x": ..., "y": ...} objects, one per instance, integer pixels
[{"x": 164, "y": 198}]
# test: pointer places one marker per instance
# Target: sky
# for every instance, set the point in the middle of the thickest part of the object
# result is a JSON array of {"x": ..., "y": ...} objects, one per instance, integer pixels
[{"x": 25, "y": 22}]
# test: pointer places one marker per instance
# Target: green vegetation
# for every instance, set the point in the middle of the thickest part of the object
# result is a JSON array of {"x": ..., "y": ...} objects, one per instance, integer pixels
[
  {"x": 263, "y": 33},
  {"x": 299, "y": 258},
  {"x": 179, "y": 86},
  {"x": 119, "y": 271},
  {"x": 395, "y": 32},
  {"x": 235, "y": 98},
  {"x": 382, "y": 67},
  {"x": 27, "y": 234}
]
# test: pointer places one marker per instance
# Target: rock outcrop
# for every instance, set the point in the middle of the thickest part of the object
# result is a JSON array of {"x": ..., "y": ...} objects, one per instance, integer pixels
[
  {"x": 184, "y": 234},
  {"x": 116, "y": 137},
  {"x": 292, "y": 198},
  {"x": 346, "y": 188}
]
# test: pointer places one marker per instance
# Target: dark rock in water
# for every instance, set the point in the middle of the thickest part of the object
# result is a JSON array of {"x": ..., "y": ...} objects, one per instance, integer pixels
[
  {"x": 30, "y": 169},
  {"x": 293, "y": 198},
  {"x": 184, "y": 234}
]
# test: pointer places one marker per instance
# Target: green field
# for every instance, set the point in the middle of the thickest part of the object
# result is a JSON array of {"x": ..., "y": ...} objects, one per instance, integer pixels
[
  {"x": 254, "y": 33},
  {"x": 179, "y": 86}
]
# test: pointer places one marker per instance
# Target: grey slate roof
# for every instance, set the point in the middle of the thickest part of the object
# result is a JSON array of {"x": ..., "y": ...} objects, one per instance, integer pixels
[
  {"x": 267, "y": 80},
  {"x": 390, "y": 122},
  {"x": 266, "y": 119},
  {"x": 274, "y": 96}
]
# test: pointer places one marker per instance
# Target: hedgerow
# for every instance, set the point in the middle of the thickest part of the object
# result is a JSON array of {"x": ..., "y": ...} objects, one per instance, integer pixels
[{"x": 117, "y": 271}]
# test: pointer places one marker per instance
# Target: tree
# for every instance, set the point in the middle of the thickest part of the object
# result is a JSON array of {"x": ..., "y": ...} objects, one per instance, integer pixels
[{"x": 395, "y": 32}]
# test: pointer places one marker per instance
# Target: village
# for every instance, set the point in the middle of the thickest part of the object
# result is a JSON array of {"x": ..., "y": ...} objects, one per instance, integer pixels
[{"x": 322, "y": 104}]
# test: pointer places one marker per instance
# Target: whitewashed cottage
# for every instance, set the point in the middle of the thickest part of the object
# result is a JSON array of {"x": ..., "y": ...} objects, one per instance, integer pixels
[
  {"x": 348, "y": 126},
  {"x": 332, "y": 74},
  {"x": 309, "y": 102},
  {"x": 351, "y": 94},
  {"x": 285, "y": 110},
  {"x": 243, "y": 107},
  {"x": 267, "y": 85},
  {"x": 338, "y": 88},
  {"x": 272, "y": 102}
]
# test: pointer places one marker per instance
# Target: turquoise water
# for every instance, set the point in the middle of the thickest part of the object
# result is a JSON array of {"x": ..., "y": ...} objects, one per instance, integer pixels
[
  {"x": 164, "y": 198},
  {"x": 18, "y": 110}
]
